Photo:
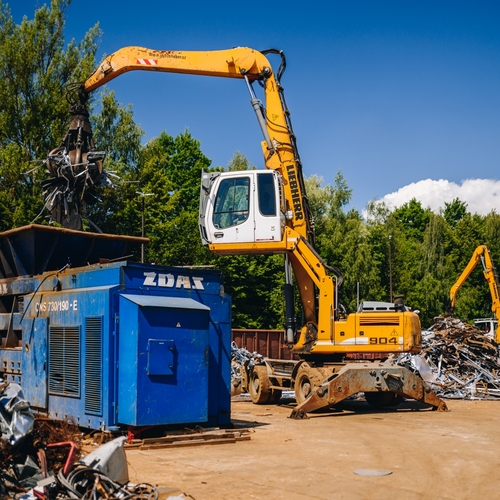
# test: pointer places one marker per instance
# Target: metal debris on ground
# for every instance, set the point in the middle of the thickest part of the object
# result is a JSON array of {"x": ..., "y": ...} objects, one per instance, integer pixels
[
  {"x": 458, "y": 360},
  {"x": 16, "y": 419},
  {"x": 241, "y": 360},
  {"x": 41, "y": 460}
]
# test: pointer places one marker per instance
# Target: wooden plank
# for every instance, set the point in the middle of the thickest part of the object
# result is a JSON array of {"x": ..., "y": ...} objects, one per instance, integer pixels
[{"x": 184, "y": 444}]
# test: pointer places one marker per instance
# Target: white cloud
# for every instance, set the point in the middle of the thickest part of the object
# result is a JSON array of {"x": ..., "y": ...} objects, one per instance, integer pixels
[{"x": 481, "y": 195}]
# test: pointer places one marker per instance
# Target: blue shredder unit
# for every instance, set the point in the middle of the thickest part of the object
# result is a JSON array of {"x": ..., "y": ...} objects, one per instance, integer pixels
[{"x": 119, "y": 344}]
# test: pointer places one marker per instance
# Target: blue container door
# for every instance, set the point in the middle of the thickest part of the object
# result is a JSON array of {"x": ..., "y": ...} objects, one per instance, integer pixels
[
  {"x": 163, "y": 361},
  {"x": 34, "y": 361}
]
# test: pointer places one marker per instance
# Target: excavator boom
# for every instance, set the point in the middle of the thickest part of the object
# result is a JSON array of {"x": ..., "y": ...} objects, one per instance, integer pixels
[
  {"x": 241, "y": 63},
  {"x": 279, "y": 144}
]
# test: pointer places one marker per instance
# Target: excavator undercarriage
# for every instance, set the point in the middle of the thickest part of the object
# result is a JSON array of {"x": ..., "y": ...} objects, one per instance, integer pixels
[{"x": 384, "y": 384}]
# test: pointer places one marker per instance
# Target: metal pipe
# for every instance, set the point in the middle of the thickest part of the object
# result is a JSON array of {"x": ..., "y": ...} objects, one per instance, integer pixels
[{"x": 259, "y": 113}]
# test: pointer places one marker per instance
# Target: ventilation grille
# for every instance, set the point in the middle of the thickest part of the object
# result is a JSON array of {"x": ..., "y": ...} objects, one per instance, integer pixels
[
  {"x": 378, "y": 321},
  {"x": 93, "y": 365},
  {"x": 64, "y": 360}
]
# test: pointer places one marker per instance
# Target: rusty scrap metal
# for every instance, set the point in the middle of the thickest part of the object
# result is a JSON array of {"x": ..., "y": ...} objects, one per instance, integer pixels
[
  {"x": 242, "y": 361},
  {"x": 75, "y": 169},
  {"x": 458, "y": 360},
  {"x": 36, "y": 464}
]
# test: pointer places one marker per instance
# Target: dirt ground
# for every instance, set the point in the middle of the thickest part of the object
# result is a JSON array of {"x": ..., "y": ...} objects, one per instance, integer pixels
[{"x": 424, "y": 454}]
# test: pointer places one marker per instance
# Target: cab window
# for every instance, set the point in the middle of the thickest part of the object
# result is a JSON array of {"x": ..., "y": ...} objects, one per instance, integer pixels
[
  {"x": 267, "y": 197},
  {"x": 232, "y": 202}
]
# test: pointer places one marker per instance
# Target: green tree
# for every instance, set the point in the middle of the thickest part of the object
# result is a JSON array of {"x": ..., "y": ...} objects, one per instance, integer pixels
[
  {"x": 239, "y": 162},
  {"x": 255, "y": 283},
  {"x": 454, "y": 211},
  {"x": 116, "y": 133},
  {"x": 434, "y": 274},
  {"x": 342, "y": 240},
  {"x": 413, "y": 218},
  {"x": 35, "y": 69},
  {"x": 170, "y": 169}
]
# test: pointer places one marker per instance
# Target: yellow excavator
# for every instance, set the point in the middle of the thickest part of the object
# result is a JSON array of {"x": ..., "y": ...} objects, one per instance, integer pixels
[
  {"x": 267, "y": 212},
  {"x": 481, "y": 254}
]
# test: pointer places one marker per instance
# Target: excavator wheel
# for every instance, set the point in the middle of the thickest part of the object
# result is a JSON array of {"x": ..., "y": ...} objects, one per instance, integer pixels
[
  {"x": 259, "y": 386},
  {"x": 305, "y": 381},
  {"x": 275, "y": 395},
  {"x": 383, "y": 399}
]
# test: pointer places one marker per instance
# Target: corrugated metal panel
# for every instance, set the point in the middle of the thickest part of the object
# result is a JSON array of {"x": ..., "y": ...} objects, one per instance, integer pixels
[
  {"x": 64, "y": 360},
  {"x": 93, "y": 365},
  {"x": 268, "y": 343}
]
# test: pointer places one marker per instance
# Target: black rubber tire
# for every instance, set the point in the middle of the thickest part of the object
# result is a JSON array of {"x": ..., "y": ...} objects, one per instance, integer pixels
[
  {"x": 382, "y": 399},
  {"x": 304, "y": 384},
  {"x": 275, "y": 395},
  {"x": 259, "y": 386}
]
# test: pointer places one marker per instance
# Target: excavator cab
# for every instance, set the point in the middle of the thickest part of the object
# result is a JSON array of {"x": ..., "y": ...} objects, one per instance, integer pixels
[{"x": 241, "y": 207}]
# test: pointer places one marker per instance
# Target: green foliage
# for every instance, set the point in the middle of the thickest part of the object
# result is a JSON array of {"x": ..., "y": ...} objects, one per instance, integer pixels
[
  {"x": 255, "y": 283},
  {"x": 35, "y": 69},
  {"x": 20, "y": 197},
  {"x": 413, "y": 218},
  {"x": 116, "y": 133},
  {"x": 239, "y": 162},
  {"x": 454, "y": 211},
  {"x": 170, "y": 169}
]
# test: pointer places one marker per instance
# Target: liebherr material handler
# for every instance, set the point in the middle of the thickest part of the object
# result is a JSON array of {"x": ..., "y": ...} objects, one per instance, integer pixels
[
  {"x": 267, "y": 212},
  {"x": 481, "y": 254}
]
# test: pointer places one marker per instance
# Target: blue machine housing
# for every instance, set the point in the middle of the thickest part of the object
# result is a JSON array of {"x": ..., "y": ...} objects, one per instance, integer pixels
[{"x": 120, "y": 344}]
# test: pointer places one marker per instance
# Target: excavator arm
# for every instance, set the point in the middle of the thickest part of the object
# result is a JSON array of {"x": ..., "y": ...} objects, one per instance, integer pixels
[
  {"x": 481, "y": 254},
  {"x": 279, "y": 146}
]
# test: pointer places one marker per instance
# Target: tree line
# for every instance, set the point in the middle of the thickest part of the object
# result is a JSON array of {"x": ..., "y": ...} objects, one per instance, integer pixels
[{"x": 409, "y": 251}]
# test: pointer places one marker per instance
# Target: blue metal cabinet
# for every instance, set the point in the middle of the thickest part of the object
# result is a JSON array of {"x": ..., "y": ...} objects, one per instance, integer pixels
[{"x": 163, "y": 360}]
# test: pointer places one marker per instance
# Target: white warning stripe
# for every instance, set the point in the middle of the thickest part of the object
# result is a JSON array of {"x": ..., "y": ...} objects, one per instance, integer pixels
[{"x": 148, "y": 62}]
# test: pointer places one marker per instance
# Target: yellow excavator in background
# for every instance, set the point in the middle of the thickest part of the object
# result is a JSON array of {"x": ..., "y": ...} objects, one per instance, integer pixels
[
  {"x": 481, "y": 254},
  {"x": 267, "y": 212}
]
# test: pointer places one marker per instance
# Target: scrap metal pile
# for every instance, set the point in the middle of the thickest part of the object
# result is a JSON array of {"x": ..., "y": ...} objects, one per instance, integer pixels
[
  {"x": 41, "y": 459},
  {"x": 75, "y": 169},
  {"x": 458, "y": 360},
  {"x": 241, "y": 360}
]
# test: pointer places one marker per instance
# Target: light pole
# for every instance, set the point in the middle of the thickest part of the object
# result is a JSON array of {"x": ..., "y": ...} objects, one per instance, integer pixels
[
  {"x": 143, "y": 196},
  {"x": 390, "y": 268}
]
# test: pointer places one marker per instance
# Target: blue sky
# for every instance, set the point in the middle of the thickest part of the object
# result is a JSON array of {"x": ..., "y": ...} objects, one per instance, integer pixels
[{"x": 402, "y": 96}]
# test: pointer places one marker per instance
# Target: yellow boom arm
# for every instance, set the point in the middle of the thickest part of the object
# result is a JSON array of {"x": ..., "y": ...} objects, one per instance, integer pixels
[
  {"x": 279, "y": 146},
  {"x": 481, "y": 254},
  {"x": 243, "y": 63}
]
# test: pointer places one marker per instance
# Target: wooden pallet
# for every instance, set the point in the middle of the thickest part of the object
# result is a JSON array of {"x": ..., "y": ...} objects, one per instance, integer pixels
[{"x": 183, "y": 440}]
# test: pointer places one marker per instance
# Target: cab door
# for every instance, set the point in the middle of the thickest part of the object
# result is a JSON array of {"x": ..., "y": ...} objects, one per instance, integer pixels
[
  {"x": 232, "y": 217},
  {"x": 268, "y": 223}
]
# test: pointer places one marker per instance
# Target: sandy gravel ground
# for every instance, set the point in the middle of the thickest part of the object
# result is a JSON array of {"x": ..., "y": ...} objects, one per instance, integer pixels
[{"x": 454, "y": 455}]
